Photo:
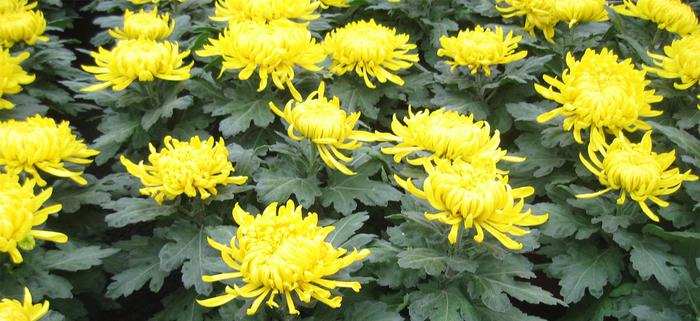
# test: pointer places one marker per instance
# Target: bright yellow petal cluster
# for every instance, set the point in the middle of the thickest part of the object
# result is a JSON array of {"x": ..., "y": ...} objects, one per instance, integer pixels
[
  {"x": 575, "y": 11},
  {"x": 672, "y": 15},
  {"x": 12, "y": 76},
  {"x": 600, "y": 93},
  {"x": 324, "y": 123},
  {"x": 444, "y": 135},
  {"x": 281, "y": 252},
  {"x": 137, "y": 60},
  {"x": 538, "y": 14},
  {"x": 371, "y": 50},
  {"x": 634, "y": 169},
  {"x": 681, "y": 61},
  {"x": 185, "y": 168},
  {"x": 38, "y": 143},
  {"x": 274, "y": 49},
  {"x": 20, "y": 210},
  {"x": 13, "y": 310},
  {"x": 480, "y": 48},
  {"x": 19, "y": 24},
  {"x": 147, "y": 25},
  {"x": 265, "y": 10},
  {"x": 478, "y": 197}
]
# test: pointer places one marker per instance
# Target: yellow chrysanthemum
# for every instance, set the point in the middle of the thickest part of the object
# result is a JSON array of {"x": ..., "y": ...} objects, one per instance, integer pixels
[
  {"x": 148, "y": 1},
  {"x": 20, "y": 210},
  {"x": 274, "y": 49},
  {"x": 480, "y": 48},
  {"x": 38, "y": 143},
  {"x": 444, "y": 134},
  {"x": 265, "y": 10},
  {"x": 635, "y": 169},
  {"x": 681, "y": 61},
  {"x": 672, "y": 15},
  {"x": 7, "y": 6},
  {"x": 185, "y": 168},
  {"x": 23, "y": 25},
  {"x": 538, "y": 14},
  {"x": 13, "y": 310},
  {"x": 12, "y": 76},
  {"x": 600, "y": 93},
  {"x": 371, "y": 50},
  {"x": 137, "y": 59},
  {"x": 575, "y": 11},
  {"x": 147, "y": 25},
  {"x": 475, "y": 196},
  {"x": 279, "y": 252},
  {"x": 326, "y": 125}
]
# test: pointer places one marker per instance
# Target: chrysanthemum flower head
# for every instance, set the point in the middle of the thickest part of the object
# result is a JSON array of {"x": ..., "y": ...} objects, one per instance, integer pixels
[
  {"x": 478, "y": 197},
  {"x": 480, "y": 48},
  {"x": 273, "y": 48},
  {"x": 324, "y": 123},
  {"x": 20, "y": 211},
  {"x": 575, "y": 11},
  {"x": 22, "y": 26},
  {"x": 38, "y": 143},
  {"x": 672, "y": 15},
  {"x": 444, "y": 134},
  {"x": 281, "y": 252},
  {"x": 12, "y": 76},
  {"x": 7, "y": 6},
  {"x": 13, "y": 310},
  {"x": 137, "y": 60},
  {"x": 265, "y": 10},
  {"x": 147, "y": 25},
  {"x": 634, "y": 169},
  {"x": 371, "y": 50},
  {"x": 600, "y": 93},
  {"x": 185, "y": 168},
  {"x": 538, "y": 14},
  {"x": 681, "y": 61}
]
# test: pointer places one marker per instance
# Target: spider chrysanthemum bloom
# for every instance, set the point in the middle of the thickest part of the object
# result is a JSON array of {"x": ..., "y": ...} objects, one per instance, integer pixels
[
  {"x": 672, "y": 15},
  {"x": 147, "y": 25},
  {"x": 14, "y": 310},
  {"x": 137, "y": 60},
  {"x": 680, "y": 61},
  {"x": 480, "y": 48},
  {"x": 538, "y": 14},
  {"x": 478, "y": 197},
  {"x": 371, "y": 50},
  {"x": 324, "y": 123},
  {"x": 185, "y": 168},
  {"x": 12, "y": 76},
  {"x": 575, "y": 11},
  {"x": 39, "y": 144},
  {"x": 7, "y": 6},
  {"x": 634, "y": 169},
  {"x": 265, "y": 10},
  {"x": 600, "y": 93},
  {"x": 274, "y": 49},
  {"x": 22, "y": 26},
  {"x": 444, "y": 134},
  {"x": 20, "y": 211},
  {"x": 281, "y": 252}
]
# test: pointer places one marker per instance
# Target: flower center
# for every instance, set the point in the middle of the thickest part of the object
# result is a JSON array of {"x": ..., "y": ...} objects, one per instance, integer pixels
[
  {"x": 452, "y": 137},
  {"x": 632, "y": 170},
  {"x": 320, "y": 119}
]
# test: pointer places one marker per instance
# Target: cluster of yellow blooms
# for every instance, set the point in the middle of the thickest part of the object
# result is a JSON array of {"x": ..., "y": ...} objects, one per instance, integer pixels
[
  {"x": 672, "y": 15},
  {"x": 14, "y": 310},
  {"x": 681, "y": 62},
  {"x": 12, "y": 76},
  {"x": 141, "y": 53}
]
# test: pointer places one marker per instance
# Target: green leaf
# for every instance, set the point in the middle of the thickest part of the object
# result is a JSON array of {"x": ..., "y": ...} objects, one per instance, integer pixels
[
  {"x": 180, "y": 306},
  {"x": 75, "y": 259},
  {"x": 141, "y": 265},
  {"x": 528, "y": 69},
  {"x": 277, "y": 185},
  {"x": 430, "y": 260},
  {"x": 448, "y": 304},
  {"x": 564, "y": 222},
  {"x": 650, "y": 257},
  {"x": 135, "y": 210},
  {"x": 189, "y": 249},
  {"x": 370, "y": 310},
  {"x": 511, "y": 314},
  {"x": 355, "y": 96},
  {"x": 460, "y": 101},
  {"x": 242, "y": 107},
  {"x": 343, "y": 191},
  {"x": 346, "y": 227},
  {"x": 165, "y": 111},
  {"x": 525, "y": 111},
  {"x": 681, "y": 138},
  {"x": 586, "y": 267},
  {"x": 117, "y": 129},
  {"x": 540, "y": 159}
]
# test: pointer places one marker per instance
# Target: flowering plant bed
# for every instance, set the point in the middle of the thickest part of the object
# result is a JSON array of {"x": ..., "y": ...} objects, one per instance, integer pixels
[{"x": 349, "y": 160}]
